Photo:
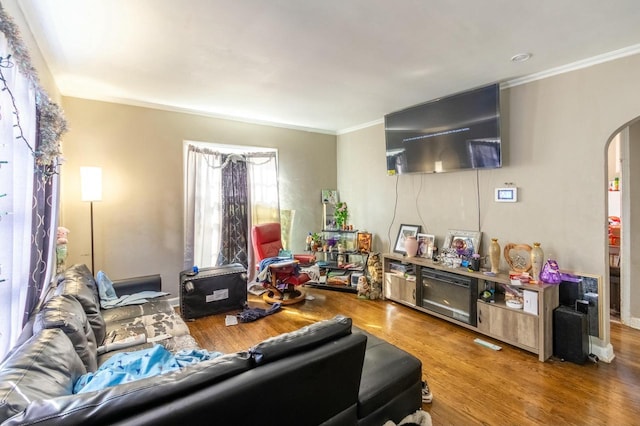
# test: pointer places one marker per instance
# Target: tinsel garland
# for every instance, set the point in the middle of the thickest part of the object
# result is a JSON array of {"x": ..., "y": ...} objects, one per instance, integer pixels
[{"x": 51, "y": 121}]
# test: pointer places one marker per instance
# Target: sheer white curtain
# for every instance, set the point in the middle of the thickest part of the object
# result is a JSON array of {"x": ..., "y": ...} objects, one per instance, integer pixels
[
  {"x": 264, "y": 198},
  {"x": 16, "y": 191},
  {"x": 203, "y": 182},
  {"x": 202, "y": 207}
]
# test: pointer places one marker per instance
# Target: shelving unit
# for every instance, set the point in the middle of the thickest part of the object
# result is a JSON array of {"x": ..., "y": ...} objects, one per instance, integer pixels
[
  {"x": 333, "y": 262},
  {"x": 529, "y": 331}
]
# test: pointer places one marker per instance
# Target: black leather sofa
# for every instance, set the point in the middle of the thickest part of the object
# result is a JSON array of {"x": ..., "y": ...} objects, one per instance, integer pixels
[{"x": 323, "y": 373}]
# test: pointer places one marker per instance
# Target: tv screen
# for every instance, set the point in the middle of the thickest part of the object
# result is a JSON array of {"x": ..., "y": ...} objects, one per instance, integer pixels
[{"x": 457, "y": 132}]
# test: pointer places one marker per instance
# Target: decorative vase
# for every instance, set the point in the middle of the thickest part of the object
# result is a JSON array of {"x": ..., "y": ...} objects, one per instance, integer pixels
[
  {"x": 537, "y": 259},
  {"x": 411, "y": 246},
  {"x": 494, "y": 255}
]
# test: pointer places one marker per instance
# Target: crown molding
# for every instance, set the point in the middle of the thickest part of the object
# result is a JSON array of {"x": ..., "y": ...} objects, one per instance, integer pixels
[
  {"x": 360, "y": 126},
  {"x": 169, "y": 108},
  {"x": 595, "y": 60},
  {"x": 574, "y": 66}
]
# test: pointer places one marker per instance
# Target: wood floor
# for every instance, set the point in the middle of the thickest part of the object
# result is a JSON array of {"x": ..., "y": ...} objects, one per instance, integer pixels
[{"x": 471, "y": 384}]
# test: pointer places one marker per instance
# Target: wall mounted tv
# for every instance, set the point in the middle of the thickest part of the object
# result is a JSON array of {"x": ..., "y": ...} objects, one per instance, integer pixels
[{"x": 456, "y": 132}]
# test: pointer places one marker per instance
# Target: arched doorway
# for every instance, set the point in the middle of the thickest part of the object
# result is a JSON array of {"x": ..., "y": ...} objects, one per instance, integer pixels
[{"x": 624, "y": 296}]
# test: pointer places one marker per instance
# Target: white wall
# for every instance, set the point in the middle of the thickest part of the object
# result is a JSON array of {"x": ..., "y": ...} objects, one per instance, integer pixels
[{"x": 556, "y": 132}]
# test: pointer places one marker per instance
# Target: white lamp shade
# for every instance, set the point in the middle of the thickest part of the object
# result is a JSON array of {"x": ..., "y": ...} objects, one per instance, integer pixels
[{"x": 91, "y": 183}]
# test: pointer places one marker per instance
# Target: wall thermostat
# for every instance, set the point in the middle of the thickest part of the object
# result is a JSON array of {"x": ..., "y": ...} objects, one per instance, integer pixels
[{"x": 506, "y": 195}]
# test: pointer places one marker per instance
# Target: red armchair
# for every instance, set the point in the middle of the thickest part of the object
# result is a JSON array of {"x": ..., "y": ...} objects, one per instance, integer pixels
[{"x": 285, "y": 275}]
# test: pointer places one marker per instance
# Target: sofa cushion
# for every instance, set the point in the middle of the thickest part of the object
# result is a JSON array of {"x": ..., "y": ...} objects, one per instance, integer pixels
[
  {"x": 168, "y": 327},
  {"x": 302, "y": 339},
  {"x": 45, "y": 366},
  {"x": 172, "y": 344},
  {"x": 122, "y": 313},
  {"x": 79, "y": 283},
  {"x": 151, "y": 325},
  {"x": 388, "y": 371},
  {"x": 66, "y": 313}
]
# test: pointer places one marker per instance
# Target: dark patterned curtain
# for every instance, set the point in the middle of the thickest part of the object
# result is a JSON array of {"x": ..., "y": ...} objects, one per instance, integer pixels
[
  {"x": 235, "y": 201},
  {"x": 42, "y": 232}
]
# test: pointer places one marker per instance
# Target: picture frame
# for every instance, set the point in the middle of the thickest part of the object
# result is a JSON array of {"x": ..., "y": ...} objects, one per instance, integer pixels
[
  {"x": 404, "y": 232},
  {"x": 364, "y": 242},
  {"x": 463, "y": 242},
  {"x": 330, "y": 196},
  {"x": 426, "y": 243}
]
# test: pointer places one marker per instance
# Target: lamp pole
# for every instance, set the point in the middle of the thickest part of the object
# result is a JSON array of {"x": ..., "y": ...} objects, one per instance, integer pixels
[
  {"x": 93, "y": 270},
  {"x": 91, "y": 183}
]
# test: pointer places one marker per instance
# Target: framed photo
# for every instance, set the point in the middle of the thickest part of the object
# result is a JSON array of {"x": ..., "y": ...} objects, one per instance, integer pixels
[
  {"x": 404, "y": 232},
  {"x": 330, "y": 196},
  {"x": 463, "y": 242},
  {"x": 364, "y": 242},
  {"x": 426, "y": 242}
]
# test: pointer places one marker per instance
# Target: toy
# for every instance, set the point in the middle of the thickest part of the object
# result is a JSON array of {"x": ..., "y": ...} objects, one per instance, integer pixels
[
  {"x": 363, "y": 288},
  {"x": 61, "y": 248},
  {"x": 374, "y": 267},
  {"x": 61, "y": 235}
]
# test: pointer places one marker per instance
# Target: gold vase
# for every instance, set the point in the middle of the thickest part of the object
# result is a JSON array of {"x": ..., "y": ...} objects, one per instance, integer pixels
[
  {"x": 537, "y": 259},
  {"x": 494, "y": 255}
]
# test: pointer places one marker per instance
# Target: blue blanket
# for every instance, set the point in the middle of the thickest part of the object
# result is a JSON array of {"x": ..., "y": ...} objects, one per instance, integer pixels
[
  {"x": 109, "y": 298},
  {"x": 127, "y": 367}
]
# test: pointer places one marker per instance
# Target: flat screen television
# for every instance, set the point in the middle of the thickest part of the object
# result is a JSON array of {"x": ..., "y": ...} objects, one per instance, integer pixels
[{"x": 457, "y": 132}]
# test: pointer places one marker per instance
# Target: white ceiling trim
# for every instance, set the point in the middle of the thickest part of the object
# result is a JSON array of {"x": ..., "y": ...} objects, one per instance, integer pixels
[
  {"x": 574, "y": 66},
  {"x": 170, "y": 108},
  {"x": 610, "y": 56},
  {"x": 361, "y": 126}
]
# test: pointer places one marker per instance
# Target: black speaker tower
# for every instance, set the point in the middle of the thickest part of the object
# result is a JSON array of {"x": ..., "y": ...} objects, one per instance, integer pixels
[{"x": 570, "y": 335}]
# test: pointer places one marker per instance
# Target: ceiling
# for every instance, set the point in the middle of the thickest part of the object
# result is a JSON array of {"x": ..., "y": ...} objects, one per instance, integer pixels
[{"x": 324, "y": 65}]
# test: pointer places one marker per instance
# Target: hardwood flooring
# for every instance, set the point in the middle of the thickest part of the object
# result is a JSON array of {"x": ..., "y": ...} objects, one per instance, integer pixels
[{"x": 471, "y": 384}]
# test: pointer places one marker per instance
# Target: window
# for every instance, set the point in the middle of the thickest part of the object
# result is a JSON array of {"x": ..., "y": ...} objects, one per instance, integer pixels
[
  {"x": 30, "y": 130},
  {"x": 16, "y": 189},
  {"x": 227, "y": 190}
]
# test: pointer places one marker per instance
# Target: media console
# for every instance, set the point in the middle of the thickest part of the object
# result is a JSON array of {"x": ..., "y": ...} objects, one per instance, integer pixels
[{"x": 453, "y": 294}]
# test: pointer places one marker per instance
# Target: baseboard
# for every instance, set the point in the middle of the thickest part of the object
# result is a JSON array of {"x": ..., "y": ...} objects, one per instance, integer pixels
[
  {"x": 633, "y": 322},
  {"x": 174, "y": 301},
  {"x": 604, "y": 353}
]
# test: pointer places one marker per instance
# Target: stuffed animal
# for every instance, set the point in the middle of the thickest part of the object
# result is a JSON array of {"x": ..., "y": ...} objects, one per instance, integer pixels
[
  {"x": 363, "y": 288},
  {"x": 61, "y": 235},
  {"x": 374, "y": 267},
  {"x": 61, "y": 248}
]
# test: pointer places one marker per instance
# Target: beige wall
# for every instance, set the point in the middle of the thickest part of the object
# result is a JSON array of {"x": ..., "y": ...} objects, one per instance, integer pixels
[
  {"x": 555, "y": 138},
  {"x": 139, "y": 224}
]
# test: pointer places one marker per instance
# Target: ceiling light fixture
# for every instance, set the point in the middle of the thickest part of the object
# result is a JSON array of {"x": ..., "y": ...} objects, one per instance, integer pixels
[{"x": 521, "y": 57}]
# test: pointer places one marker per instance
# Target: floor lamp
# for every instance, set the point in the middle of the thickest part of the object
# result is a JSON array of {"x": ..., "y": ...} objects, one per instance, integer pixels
[{"x": 91, "y": 185}]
